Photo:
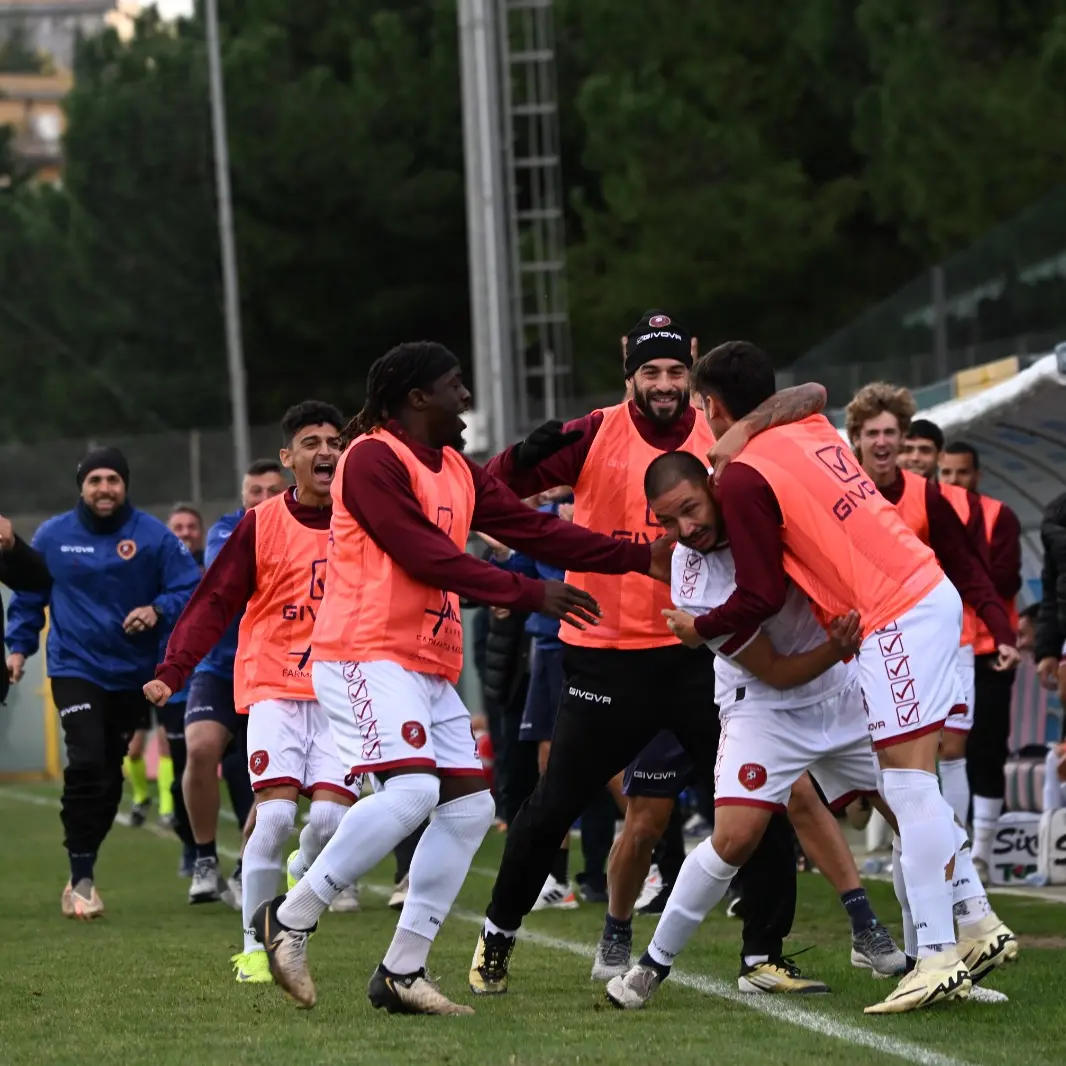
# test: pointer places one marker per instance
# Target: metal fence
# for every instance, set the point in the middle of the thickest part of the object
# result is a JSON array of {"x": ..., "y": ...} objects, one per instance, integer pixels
[{"x": 1006, "y": 295}]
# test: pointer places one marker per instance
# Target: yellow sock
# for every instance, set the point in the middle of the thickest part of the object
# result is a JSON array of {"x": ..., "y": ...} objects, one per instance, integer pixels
[
  {"x": 137, "y": 775},
  {"x": 164, "y": 778}
]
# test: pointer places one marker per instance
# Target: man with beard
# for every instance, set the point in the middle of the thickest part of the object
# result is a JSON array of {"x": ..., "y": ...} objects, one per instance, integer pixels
[
  {"x": 118, "y": 574},
  {"x": 614, "y": 700}
]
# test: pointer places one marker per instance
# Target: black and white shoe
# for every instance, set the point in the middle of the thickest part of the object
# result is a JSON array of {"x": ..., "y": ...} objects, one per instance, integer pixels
[{"x": 410, "y": 993}]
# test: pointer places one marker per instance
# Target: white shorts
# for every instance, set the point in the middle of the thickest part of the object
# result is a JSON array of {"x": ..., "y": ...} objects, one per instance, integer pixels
[
  {"x": 290, "y": 743},
  {"x": 764, "y": 750},
  {"x": 910, "y": 682},
  {"x": 961, "y": 721},
  {"x": 384, "y": 717}
]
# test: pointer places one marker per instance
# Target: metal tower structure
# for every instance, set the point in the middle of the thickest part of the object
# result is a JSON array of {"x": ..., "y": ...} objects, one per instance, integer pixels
[
  {"x": 537, "y": 239},
  {"x": 517, "y": 249}
]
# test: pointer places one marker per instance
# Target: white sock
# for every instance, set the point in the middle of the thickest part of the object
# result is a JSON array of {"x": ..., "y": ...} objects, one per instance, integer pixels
[
  {"x": 955, "y": 787},
  {"x": 986, "y": 812},
  {"x": 910, "y": 937},
  {"x": 969, "y": 896},
  {"x": 263, "y": 857},
  {"x": 492, "y": 929},
  {"x": 702, "y": 882},
  {"x": 439, "y": 867},
  {"x": 1054, "y": 789},
  {"x": 369, "y": 831},
  {"x": 927, "y": 836},
  {"x": 322, "y": 822}
]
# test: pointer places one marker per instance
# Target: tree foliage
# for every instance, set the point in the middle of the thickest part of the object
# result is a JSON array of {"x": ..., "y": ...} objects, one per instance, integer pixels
[{"x": 763, "y": 169}]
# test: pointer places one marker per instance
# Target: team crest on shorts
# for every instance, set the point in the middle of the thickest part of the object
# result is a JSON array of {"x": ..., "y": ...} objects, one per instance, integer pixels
[
  {"x": 752, "y": 776},
  {"x": 414, "y": 734},
  {"x": 258, "y": 761},
  {"x": 126, "y": 549}
]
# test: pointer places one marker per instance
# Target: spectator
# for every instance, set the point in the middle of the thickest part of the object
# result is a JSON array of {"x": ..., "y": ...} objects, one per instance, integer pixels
[
  {"x": 22, "y": 569},
  {"x": 1050, "y": 650},
  {"x": 117, "y": 574}
]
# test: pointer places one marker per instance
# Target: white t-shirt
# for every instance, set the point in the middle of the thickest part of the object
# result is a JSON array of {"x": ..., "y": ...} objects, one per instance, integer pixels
[{"x": 700, "y": 582}]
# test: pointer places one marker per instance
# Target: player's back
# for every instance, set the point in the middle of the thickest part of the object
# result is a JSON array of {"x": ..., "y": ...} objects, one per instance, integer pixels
[
  {"x": 844, "y": 542},
  {"x": 700, "y": 582}
]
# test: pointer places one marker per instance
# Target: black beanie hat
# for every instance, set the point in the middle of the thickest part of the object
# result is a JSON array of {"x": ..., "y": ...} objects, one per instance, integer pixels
[
  {"x": 104, "y": 459},
  {"x": 657, "y": 336}
]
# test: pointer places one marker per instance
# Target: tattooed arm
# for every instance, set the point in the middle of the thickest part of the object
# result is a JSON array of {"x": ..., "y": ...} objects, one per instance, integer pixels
[{"x": 788, "y": 405}]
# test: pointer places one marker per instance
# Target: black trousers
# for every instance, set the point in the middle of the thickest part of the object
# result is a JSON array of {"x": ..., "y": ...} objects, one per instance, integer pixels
[
  {"x": 172, "y": 719},
  {"x": 97, "y": 727},
  {"x": 613, "y": 703},
  {"x": 986, "y": 747}
]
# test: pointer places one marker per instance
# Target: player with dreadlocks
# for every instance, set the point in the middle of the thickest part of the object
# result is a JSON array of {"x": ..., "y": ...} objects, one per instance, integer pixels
[{"x": 388, "y": 647}]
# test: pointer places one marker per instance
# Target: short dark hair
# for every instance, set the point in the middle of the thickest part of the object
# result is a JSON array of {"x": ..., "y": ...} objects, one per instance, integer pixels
[
  {"x": 187, "y": 508},
  {"x": 923, "y": 429},
  {"x": 258, "y": 467},
  {"x": 960, "y": 447},
  {"x": 738, "y": 374},
  {"x": 1032, "y": 612},
  {"x": 309, "y": 413},
  {"x": 670, "y": 469}
]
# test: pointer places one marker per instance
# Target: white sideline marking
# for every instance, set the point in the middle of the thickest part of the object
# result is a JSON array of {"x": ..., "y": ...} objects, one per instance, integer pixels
[{"x": 776, "y": 1007}]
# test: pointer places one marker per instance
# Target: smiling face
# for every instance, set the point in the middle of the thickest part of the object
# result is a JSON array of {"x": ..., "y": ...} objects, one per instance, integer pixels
[
  {"x": 103, "y": 491},
  {"x": 878, "y": 447},
  {"x": 188, "y": 528},
  {"x": 660, "y": 390},
  {"x": 441, "y": 407},
  {"x": 920, "y": 456},
  {"x": 689, "y": 514},
  {"x": 259, "y": 487},
  {"x": 957, "y": 468}
]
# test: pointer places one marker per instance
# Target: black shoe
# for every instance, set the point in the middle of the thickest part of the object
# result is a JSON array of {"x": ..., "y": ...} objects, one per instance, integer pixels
[
  {"x": 410, "y": 993},
  {"x": 590, "y": 893},
  {"x": 139, "y": 813}
]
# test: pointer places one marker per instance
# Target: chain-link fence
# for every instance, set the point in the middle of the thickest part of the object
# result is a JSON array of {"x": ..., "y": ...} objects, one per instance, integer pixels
[{"x": 1006, "y": 295}]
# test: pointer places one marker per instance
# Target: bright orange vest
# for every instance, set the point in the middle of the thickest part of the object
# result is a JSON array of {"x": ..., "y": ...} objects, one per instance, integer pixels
[
  {"x": 373, "y": 609},
  {"x": 911, "y": 505},
  {"x": 985, "y": 643},
  {"x": 959, "y": 498},
  {"x": 845, "y": 545},
  {"x": 274, "y": 639},
  {"x": 609, "y": 499}
]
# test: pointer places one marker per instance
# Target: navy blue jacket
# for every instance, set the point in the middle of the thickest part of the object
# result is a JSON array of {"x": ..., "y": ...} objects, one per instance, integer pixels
[
  {"x": 219, "y": 660},
  {"x": 97, "y": 579},
  {"x": 543, "y": 628}
]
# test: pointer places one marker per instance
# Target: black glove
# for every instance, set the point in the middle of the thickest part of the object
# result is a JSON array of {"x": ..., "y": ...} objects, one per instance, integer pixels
[{"x": 543, "y": 442}]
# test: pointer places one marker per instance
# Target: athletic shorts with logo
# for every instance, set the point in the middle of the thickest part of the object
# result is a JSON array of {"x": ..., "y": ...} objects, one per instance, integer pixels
[
  {"x": 211, "y": 700},
  {"x": 765, "y": 749},
  {"x": 908, "y": 670},
  {"x": 290, "y": 743},
  {"x": 961, "y": 721},
  {"x": 544, "y": 693},
  {"x": 662, "y": 770},
  {"x": 385, "y": 717}
]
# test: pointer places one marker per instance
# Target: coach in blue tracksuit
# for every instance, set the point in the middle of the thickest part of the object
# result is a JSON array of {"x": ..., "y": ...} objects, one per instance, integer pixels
[{"x": 117, "y": 574}]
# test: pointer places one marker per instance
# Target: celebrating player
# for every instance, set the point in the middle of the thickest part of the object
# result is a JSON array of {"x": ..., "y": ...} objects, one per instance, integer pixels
[
  {"x": 388, "y": 648},
  {"x": 273, "y": 567},
  {"x": 798, "y": 493}
]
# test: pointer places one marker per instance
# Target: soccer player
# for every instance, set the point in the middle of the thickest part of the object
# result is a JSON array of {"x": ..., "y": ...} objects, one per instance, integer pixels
[
  {"x": 808, "y": 509},
  {"x": 388, "y": 648},
  {"x": 987, "y": 747},
  {"x": 118, "y": 573},
  {"x": 272, "y": 572},
  {"x": 186, "y": 523},
  {"x": 948, "y": 519},
  {"x": 613, "y": 703},
  {"x": 214, "y": 732},
  {"x": 788, "y": 706}
]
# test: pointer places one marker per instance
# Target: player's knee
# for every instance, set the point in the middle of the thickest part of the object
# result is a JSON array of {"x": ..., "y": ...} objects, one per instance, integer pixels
[
  {"x": 324, "y": 817},
  {"x": 643, "y": 827},
  {"x": 274, "y": 822},
  {"x": 412, "y": 798},
  {"x": 202, "y": 750},
  {"x": 474, "y": 812}
]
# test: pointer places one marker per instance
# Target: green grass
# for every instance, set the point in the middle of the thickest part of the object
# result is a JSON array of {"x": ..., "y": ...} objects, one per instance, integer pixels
[{"x": 151, "y": 983}]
